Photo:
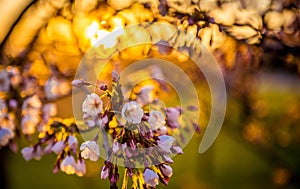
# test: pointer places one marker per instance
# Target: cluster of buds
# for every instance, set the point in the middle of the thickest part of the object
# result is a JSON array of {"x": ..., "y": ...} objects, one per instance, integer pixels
[
  {"x": 58, "y": 137},
  {"x": 138, "y": 137}
]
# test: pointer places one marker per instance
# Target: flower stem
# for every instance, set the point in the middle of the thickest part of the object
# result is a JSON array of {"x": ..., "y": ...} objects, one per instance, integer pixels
[{"x": 125, "y": 179}]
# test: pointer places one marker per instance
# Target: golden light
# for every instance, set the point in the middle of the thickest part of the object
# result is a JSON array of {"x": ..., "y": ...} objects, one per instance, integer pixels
[
  {"x": 92, "y": 30},
  {"x": 97, "y": 35}
]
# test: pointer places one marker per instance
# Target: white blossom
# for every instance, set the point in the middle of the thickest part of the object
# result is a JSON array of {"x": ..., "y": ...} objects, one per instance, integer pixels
[
  {"x": 58, "y": 147},
  {"x": 132, "y": 112},
  {"x": 92, "y": 105},
  {"x": 151, "y": 178},
  {"x": 90, "y": 150},
  {"x": 166, "y": 170},
  {"x": 156, "y": 120},
  {"x": 5, "y": 136},
  {"x": 165, "y": 143},
  {"x": 68, "y": 165}
]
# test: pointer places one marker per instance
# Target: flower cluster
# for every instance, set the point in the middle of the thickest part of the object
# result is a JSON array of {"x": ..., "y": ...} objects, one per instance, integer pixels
[
  {"x": 137, "y": 136},
  {"x": 58, "y": 137}
]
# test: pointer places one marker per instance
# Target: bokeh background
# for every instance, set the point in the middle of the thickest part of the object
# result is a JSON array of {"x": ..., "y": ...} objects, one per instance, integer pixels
[{"x": 257, "y": 45}]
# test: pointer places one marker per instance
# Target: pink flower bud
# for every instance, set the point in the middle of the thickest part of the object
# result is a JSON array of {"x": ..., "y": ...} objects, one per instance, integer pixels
[
  {"x": 103, "y": 87},
  {"x": 115, "y": 76},
  {"x": 167, "y": 159},
  {"x": 166, "y": 170},
  {"x": 177, "y": 150},
  {"x": 79, "y": 83},
  {"x": 105, "y": 172}
]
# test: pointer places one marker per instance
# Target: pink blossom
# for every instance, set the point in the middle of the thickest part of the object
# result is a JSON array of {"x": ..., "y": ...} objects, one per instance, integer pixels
[
  {"x": 92, "y": 105},
  {"x": 151, "y": 178},
  {"x": 58, "y": 147},
  {"x": 90, "y": 150},
  {"x": 165, "y": 143},
  {"x": 68, "y": 165},
  {"x": 132, "y": 112}
]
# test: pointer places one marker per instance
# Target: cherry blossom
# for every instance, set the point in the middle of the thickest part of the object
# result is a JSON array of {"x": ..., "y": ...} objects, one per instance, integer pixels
[
  {"x": 132, "y": 112},
  {"x": 90, "y": 150},
  {"x": 5, "y": 136},
  {"x": 151, "y": 178},
  {"x": 68, "y": 165},
  {"x": 92, "y": 105},
  {"x": 32, "y": 152},
  {"x": 156, "y": 120},
  {"x": 165, "y": 143}
]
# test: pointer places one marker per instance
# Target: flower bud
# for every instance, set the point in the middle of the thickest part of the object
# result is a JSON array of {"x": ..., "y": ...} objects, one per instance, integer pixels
[
  {"x": 166, "y": 170},
  {"x": 103, "y": 87},
  {"x": 115, "y": 76},
  {"x": 79, "y": 83}
]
